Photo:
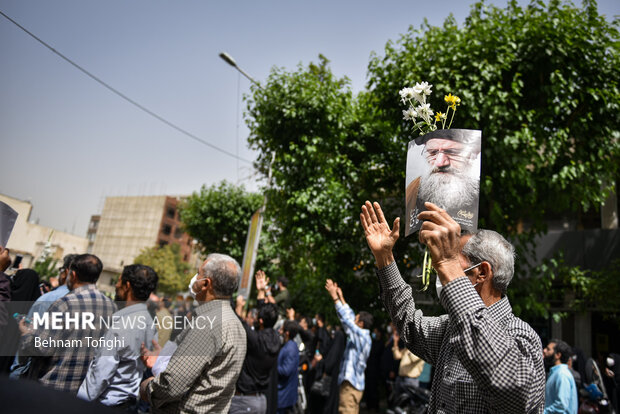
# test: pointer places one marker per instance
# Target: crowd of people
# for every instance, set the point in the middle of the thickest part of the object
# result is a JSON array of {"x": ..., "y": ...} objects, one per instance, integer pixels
[{"x": 218, "y": 355}]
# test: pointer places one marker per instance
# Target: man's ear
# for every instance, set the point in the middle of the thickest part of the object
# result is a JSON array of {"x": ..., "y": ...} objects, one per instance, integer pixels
[{"x": 485, "y": 272}]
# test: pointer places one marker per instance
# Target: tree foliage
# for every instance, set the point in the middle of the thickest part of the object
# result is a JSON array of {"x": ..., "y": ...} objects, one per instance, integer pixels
[
  {"x": 46, "y": 268},
  {"x": 218, "y": 217},
  {"x": 541, "y": 82},
  {"x": 173, "y": 272},
  {"x": 328, "y": 161}
]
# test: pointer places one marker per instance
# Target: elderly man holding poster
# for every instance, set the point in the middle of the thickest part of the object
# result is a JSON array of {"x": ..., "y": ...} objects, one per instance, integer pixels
[{"x": 487, "y": 360}]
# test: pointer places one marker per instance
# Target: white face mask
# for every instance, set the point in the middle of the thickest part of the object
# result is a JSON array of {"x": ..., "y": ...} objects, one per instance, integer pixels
[
  {"x": 439, "y": 286},
  {"x": 191, "y": 286}
]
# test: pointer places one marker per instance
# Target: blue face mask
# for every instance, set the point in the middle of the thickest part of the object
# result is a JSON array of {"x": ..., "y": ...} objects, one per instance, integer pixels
[{"x": 439, "y": 286}]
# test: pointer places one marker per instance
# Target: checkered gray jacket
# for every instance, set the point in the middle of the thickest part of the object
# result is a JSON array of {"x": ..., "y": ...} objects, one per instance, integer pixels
[
  {"x": 486, "y": 360},
  {"x": 203, "y": 371}
]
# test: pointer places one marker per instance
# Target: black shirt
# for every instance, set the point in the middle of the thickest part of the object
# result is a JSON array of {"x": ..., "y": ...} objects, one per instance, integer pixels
[{"x": 261, "y": 356}]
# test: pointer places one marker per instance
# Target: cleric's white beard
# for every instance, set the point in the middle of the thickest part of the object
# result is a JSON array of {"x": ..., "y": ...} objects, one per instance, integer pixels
[{"x": 448, "y": 190}]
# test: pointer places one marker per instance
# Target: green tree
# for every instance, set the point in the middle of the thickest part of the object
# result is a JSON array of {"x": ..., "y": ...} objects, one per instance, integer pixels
[
  {"x": 328, "y": 161},
  {"x": 174, "y": 274},
  {"x": 541, "y": 82},
  {"x": 218, "y": 217},
  {"x": 46, "y": 268}
]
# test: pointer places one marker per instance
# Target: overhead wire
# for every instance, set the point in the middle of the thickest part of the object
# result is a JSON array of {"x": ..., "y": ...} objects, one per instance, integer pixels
[{"x": 122, "y": 95}]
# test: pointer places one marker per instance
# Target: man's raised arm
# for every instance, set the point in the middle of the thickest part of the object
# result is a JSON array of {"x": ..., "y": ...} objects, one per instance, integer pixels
[{"x": 422, "y": 335}]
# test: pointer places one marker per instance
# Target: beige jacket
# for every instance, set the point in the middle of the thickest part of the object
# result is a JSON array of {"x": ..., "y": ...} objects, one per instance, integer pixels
[{"x": 410, "y": 365}]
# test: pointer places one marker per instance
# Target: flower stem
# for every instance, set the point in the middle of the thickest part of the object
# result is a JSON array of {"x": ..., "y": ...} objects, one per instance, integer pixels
[
  {"x": 451, "y": 119},
  {"x": 443, "y": 122}
]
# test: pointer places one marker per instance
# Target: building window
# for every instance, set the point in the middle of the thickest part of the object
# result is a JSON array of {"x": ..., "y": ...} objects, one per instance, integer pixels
[
  {"x": 167, "y": 229},
  {"x": 162, "y": 243},
  {"x": 170, "y": 212},
  {"x": 178, "y": 233}
]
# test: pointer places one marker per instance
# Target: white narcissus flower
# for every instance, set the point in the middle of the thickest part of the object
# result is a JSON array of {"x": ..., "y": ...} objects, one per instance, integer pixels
[
  {"x": 410, "y": 114},
  {"x": 424, "y": 111},
  {"x": 406, "y": 94},
  {"x": 418, "y": 88},
  {"x": 418, "y": 93},
  {"x": 426, "y": 88}
]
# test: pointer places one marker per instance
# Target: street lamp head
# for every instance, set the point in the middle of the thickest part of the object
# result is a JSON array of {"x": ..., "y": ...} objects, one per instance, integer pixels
[{"x": 228, "y": 59}]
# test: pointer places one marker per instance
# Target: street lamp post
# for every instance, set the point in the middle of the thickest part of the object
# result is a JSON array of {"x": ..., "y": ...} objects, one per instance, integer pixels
[{"x": 251, "y": 248}]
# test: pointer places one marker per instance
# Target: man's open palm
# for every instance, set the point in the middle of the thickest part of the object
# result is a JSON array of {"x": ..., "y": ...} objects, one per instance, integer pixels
[
  {"x": 261, "y": 280},
  {"x": 378, "y": 234}
]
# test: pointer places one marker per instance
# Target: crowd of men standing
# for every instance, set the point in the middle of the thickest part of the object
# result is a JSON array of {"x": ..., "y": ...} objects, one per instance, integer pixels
[
  {"x": 226, "y": 358},
  {"x": 239, "y": 361}
]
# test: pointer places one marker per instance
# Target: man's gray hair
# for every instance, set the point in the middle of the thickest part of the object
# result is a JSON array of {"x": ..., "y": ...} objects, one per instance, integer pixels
[
  {"x": 225, "y": 273},
  {"x": 490, "y": 246}
]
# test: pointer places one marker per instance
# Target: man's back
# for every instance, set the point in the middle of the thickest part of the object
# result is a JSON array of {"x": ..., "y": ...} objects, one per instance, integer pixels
[
  {"x": 70, "y": 350},
  {"x": 356, "y": 351},
  {"x": 561, "y": 391},
  {"x": 486, "y": 359},
  {"x": 288, "y": 362},
  {"x": 204, "y": 369},
  {"x": 262, "y": 355},
  {"x": 114, "y": 375}
]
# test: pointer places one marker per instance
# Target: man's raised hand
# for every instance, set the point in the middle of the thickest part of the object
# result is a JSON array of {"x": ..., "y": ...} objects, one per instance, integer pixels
[
  {"x": 379, "y": 237},
  {"x": 332, "y": 288},
  {"x": 5, "y": 259},
  {"x": 261, "y": 280},
  {"x": 340, "y": 295},
  {"x": 442, "y": 235}
]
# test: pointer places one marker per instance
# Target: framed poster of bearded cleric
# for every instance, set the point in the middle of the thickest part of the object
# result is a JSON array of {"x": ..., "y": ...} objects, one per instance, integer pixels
[{"x": 443, "y": 167}]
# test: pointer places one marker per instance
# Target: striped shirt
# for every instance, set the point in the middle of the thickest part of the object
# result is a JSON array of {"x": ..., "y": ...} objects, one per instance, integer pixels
[
  {"x": 66, "y": 366},
  {"x": 486, "y": 359},
  {"x": 356, "y": 351}
]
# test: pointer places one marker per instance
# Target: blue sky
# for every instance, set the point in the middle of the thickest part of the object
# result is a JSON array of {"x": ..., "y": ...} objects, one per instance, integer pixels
[{"x": 68, "y": 142}]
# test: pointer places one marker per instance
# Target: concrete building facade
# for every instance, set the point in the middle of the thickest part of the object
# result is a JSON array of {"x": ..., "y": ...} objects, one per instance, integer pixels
[
  {"x": 28, "y": 239},
  {"x": 129, "y": 224}
]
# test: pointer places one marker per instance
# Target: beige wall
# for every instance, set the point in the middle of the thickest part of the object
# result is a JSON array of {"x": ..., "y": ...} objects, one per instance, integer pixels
[
  {"x": 127, "y": 225},
  {"x": 28, "y": 239}
]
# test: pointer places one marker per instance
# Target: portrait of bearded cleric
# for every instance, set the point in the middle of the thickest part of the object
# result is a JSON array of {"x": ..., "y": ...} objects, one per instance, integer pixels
[{"x": 443, "y": 167}]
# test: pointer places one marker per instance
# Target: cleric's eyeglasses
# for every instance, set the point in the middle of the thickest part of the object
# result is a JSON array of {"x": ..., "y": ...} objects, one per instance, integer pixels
[{"x": 455, "y": 154}]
